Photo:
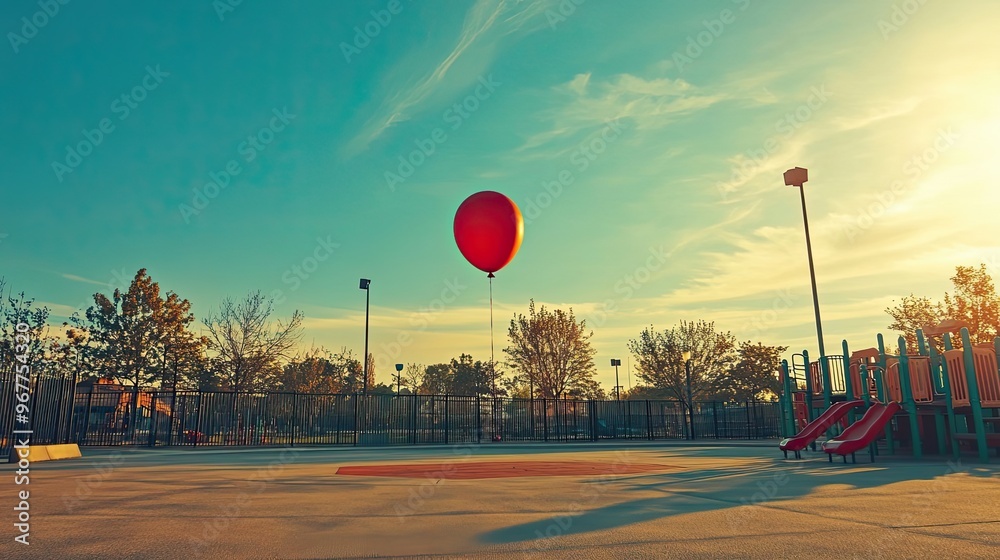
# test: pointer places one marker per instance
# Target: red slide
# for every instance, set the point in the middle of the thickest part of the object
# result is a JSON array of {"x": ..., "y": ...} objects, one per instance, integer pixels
[
  {"x": 817, "y": 427},
  {"x": 861, "y": 433}
]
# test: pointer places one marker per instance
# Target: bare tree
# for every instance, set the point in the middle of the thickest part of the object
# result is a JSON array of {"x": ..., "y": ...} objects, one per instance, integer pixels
[
  {"x": 247, "y": 346},
  {"x": 21, "y": 310},
  {"x": 413, "y": 376}
]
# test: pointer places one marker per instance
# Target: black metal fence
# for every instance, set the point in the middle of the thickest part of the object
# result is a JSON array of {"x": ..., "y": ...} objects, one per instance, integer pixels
[
  {"x": 47, "y": 412},
  {"x": 62, "y": 412}
]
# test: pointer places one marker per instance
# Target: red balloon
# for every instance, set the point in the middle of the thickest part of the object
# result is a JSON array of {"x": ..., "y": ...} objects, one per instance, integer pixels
[{"x": 488, "y": 230}]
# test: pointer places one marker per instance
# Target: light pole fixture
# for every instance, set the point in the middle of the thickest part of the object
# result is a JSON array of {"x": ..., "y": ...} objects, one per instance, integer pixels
[
  {"x": 365, "y": 283},
  {"x": 797, "y": 177},
  {"x": 618, "y": 388},
  {"x": 687, "y": 369},
  {"x": 399, "y": 375}
]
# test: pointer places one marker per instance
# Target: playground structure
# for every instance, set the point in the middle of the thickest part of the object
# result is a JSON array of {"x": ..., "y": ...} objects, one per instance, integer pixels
[{"x": 929, "y": 401}]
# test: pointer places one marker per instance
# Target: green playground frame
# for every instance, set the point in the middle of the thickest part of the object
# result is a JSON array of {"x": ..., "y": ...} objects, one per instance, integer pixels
[{"x": 946, "y": 398}]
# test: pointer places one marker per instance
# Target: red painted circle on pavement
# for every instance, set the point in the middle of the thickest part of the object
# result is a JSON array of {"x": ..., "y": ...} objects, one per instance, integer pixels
[{"x": 502, "y": 469}]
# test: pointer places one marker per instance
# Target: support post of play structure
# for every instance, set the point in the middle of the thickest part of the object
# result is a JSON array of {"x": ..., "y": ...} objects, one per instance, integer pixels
[
  {"x": 863, "y": 372},
  {"x": 937, "y": 386},
  {"x": 824, "y": 369},
  {"x": 949, "y": 403},
  {"x": 909, "y": 405},
  {"x": 974, "y": 403},
  {"x": 937, "y": 371},
  {"x": 881, "y": 390},
  {"x": 849, "y": 389},
  {"x": 848, "y": 382},
  {"x": 921, "y": 343},
  {"x": 809, "y": 387},
  {"x": 788, "y": 404}
]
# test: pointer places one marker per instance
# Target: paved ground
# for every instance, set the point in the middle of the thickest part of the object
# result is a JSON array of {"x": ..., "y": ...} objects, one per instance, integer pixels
[{"x": 712, "y": 502}]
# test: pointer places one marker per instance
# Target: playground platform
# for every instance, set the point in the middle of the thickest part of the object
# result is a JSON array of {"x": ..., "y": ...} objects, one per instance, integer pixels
[{"x": 702, "y": 500}]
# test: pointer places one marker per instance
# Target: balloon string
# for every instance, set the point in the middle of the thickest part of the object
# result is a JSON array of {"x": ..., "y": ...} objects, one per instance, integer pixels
[{"x": 493, "y": 373}]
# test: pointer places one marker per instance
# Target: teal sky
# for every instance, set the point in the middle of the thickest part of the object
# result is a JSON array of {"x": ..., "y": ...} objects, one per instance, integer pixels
[{"x": 668, "y": 123}]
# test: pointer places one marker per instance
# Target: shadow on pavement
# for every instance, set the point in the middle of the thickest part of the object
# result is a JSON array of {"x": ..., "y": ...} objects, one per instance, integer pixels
[{"x": 693, "y": 491}]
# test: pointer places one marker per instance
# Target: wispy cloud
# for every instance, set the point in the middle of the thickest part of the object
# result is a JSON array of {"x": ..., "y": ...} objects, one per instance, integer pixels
[
  {"x": 76, "y": 278},
  {"x": 583, "y": 104},
  {"x": 486, "y": 22},
  {"x": 895, "y": 108}
]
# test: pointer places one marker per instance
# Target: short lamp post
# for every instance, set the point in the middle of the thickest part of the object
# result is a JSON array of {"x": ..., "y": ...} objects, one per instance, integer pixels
[
  {"x": 618, "y": 387},
  {"x": 365, "y": 284},
  {"x": 399, "y": 376},
  {"x": 690, "y": 405}
]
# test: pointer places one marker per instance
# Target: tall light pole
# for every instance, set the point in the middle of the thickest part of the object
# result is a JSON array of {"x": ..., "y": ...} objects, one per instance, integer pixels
[
  {"x": 618, "y": 388},
  {"x": 399, "y": 376},
  {"x": 687, "y": 369},
  {"x": 797, "y": 177},
  {"x": 365, "y": 283}
]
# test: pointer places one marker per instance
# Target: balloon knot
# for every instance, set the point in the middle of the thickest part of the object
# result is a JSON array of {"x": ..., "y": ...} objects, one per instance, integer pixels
[{"x": 490, "y": 275}]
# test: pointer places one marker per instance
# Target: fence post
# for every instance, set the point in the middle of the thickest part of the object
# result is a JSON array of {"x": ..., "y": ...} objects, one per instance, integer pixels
[
  {"x": 592, "y": 419},
  {"x": 295, "y": 412},
  {"x": 355, "y": 399},
  {"x": 628, "y": 417},
  {"x": 72, "y": 401},
  {"x": 545, "y": 421},
  {"x": 86, "y": 419},
  {"x": 183, "y": 410},
  {"x": 692, "y": 420},
  {"x": 133, "y": 424},
  {"x": 416, "y": 405},
  {"x": 446, "y": 418},
  {"x": 746, "y": 407},
  {"x": 59, "y": 407},
  {"x": 555, "y": 414},
  {"x": 649, "y": 421},
  {"x": 34, "y": 405},
  {"x": 715, "y": 418},
  {"x": 689, "y": 419},
  {"x": 197, "y": 421},
  {"x": 173, "y": 416},
  {"x": 152, "y": 419},
  {"x": 576, "y": 417},
  {"x": 495, "y": 417}
]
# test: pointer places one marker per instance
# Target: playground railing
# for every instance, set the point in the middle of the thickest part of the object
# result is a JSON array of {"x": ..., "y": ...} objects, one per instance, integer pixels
[
  {"x": 856, "y": 381},
  {"x": 986, "y": 375},
  {"x": 921, "y": 380},
  {"x": 921, "y": 384},
  {"x": 869, "y": 357},
  {"x": 816, "y": 375},
  {"x": 891, "y": 379},
  {"x": 955, "y": 363},
  {"x": 835, "y": 365}
]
